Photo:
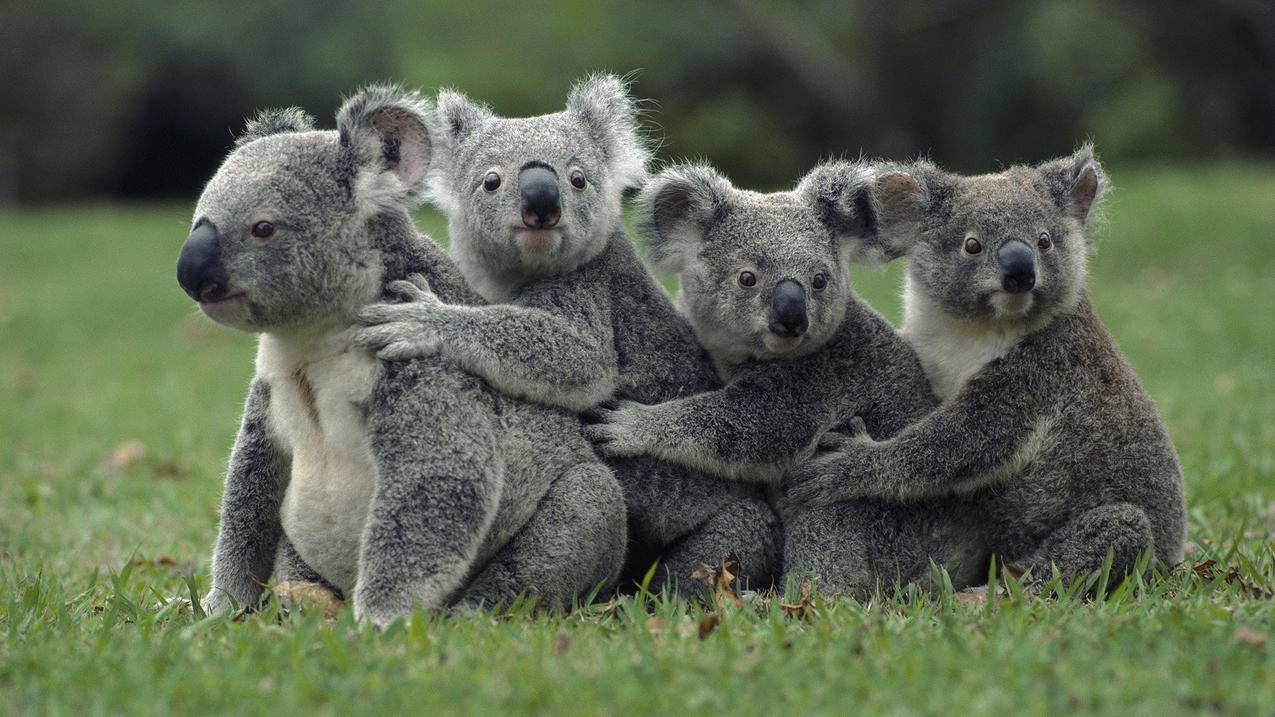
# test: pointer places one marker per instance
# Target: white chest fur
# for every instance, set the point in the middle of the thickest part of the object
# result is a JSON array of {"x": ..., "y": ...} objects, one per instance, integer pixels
[
  {"x": 951, "y": 350},
  {"x": 318, "y": 388}
]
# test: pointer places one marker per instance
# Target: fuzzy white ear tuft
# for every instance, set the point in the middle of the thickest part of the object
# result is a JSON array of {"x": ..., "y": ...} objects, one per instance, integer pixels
[
  {"x": 676, "y": 209},
  {"x": 384, "y": 127},
  {"x": 604, "y": 104}
]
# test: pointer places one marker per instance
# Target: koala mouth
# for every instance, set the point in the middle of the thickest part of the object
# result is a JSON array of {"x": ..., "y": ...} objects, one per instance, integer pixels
[
  {"x": 538, "y": 240},
  {"x": 225, "y": 309},
  {"x": 1010, "y": 305},
  {"x": 776, "y": 344}
]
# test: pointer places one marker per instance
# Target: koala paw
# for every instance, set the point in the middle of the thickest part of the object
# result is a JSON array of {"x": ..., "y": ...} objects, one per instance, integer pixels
[
  {"x": 216, "y": 601},
  {"x": 614, "y": 429},
  {"x": 405, "y": 330}
]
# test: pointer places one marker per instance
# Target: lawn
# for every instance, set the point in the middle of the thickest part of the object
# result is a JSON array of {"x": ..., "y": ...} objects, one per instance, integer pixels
[{"x": 118, "y": 404}]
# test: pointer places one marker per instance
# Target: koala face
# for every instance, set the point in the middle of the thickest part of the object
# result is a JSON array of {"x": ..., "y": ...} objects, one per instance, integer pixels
[
  {"x": 1009, "y": 247},
  {"x": 280, "y": 239},
  {"x": 540, "y": 195},
  {"x": 763, "y": 276}
]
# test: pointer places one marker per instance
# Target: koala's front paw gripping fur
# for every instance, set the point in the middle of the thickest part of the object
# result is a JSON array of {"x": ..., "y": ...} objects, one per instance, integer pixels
[
  {"x": 405, "y": 330},
  {"x": 617, "y": 429},
  {"x": 839, "y": 472}
]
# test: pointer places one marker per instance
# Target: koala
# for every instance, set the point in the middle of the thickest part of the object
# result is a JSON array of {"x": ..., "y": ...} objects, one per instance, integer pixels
[
  {"x": 1041, "y": 414},
  {"x": 765, "y": 283},
  {"x": 406, "y": 485},
  {"x": 534, "y": 218}
]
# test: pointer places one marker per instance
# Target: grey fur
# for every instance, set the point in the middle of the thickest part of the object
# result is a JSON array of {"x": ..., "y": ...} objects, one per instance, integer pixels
[
  {"x": 1042, "y": 415},
  {"x": 402, "y": 485},
  {"x": 781, "y": 398},
  {"x": 583, "y": 320}
]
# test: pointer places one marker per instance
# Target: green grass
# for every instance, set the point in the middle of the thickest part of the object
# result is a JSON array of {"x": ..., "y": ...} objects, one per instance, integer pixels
[{"x": 98, "y": 348}]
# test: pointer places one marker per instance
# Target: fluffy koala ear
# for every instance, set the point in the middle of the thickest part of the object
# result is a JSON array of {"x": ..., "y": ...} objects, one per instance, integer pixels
[
  {"x": 458, "y": 116},
  {"x": 603, "y": 103},
  {"x": 277, "y": 121},
  {"x": 1075, "y": 183},
  {"x": 872, "y": 210},
  {"x": 675, "y": 210},
  {"x": 385, "y": 129}
]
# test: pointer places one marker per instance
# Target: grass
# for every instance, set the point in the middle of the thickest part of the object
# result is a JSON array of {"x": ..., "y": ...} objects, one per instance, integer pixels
[{"x": 118, "y": 406}]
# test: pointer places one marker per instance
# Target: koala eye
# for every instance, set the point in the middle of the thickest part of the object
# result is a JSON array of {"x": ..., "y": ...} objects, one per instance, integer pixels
[
  {"x": 820, "y": 282},
  {"x": 491, "y": 182},
  {"x": 263, "y": 230},
  {"x": 577, "y": 178},
  {"x": 972, "y": 246},
  {"x": 1043, "y": 241},
  {"x": 747, "y": 279}
]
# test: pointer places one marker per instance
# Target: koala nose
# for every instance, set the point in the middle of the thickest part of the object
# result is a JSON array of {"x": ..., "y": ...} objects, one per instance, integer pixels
[
  {"x": 1018, "y": 267},
  {"x": 788, "y": 309},
  {"x": 199, "y": 269},
  {"x": 541, "y": 203}
]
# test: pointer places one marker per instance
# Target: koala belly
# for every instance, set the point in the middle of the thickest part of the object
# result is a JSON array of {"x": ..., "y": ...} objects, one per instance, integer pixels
[{"x": 317, "y": 411}]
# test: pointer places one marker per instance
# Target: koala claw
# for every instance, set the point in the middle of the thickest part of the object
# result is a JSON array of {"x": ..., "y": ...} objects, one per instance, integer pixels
[
  {"x": 415, "y": 289},
  {"x": 612, "y": 429}
]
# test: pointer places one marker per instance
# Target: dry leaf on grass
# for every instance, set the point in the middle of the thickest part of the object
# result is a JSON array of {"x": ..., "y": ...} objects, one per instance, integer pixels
[
  {"x": 308, "y": 596},
  {"x": 804, "y": 607},
  {"x": 1207, "y": 570},
  {"x": 124, "y": 456},
  {"x": 1248, "y": 636},
  {"x": 708, "y": 623},
  {"x": 721, "y": 580}
]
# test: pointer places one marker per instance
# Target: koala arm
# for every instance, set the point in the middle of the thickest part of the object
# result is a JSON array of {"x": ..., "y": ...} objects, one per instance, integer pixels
[
  {"x": 553, "y": 346},
  {"x": 438, "y": 488},
  {"x": 988, "y": 433},
  {"x": 250, "y": 528},
  {"x": 742, "y": 431}
]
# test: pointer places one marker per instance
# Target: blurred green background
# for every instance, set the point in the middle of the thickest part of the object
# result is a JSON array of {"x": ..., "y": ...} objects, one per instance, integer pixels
[{"x": 141, "y": 99}]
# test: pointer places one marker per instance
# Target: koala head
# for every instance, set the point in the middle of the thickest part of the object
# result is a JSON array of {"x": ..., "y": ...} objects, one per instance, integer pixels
[
  {"x": 764, "y": 276},
  {"x": 1008, "y": 247},
  {"x": 536, "y": 196},
  {"x": 281, "y": 237}
]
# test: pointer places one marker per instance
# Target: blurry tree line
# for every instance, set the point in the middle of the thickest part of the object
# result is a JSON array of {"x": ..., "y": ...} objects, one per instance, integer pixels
[{"x": 133, "y": 99}]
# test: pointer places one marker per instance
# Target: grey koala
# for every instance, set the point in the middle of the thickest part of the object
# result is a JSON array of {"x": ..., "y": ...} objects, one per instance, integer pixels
[
  {"x": 404, "y": 485},
  {"x": 1042, "y": 416},
  {"x": 534, "y": 210},
  {"x": 764, "y": 279}
]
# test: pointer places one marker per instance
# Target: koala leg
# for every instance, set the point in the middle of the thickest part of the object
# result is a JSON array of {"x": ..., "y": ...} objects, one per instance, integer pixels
[
  {"x": 289, "y": 567},
  {"x": 1080, "y": 546},
  {"x": 573, "y": 543},
  {"x": 745, "y": 527},
  {"x": 854, "y": 548}
]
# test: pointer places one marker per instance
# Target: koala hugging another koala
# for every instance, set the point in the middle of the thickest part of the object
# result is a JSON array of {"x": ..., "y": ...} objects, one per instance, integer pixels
[
  {"x": 764, "y": 280},
  {"x": 1042, "y": 418},
  {"x": 534, "y": 218},
  {"x": 404, "y": 485}
]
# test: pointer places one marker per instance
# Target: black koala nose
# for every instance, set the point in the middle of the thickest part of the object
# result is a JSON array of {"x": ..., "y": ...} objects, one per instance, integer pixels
[
  {"x": 541, "y": 203},
  {"x": 788, "y": 316},
  {"x": 1018, "y": 267},
  {"x": 199, "y": 269}
]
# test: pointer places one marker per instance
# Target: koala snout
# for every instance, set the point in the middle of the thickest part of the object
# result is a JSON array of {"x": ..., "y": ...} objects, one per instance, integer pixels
[
  {"x": 788, "y": 315},
  {"x": 541, "y": 202},
  {"x": 199, "y": 269},
  {"x": 1018, "y": 266}
]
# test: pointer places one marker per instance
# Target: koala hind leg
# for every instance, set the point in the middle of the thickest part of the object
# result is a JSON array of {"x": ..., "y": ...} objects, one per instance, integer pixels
[
  {"x": 745, "y": 527},
  {"x": 1080, "y": 546},
  {"x": 854, "y": 548},
  {"x": 573, "y": 543}
]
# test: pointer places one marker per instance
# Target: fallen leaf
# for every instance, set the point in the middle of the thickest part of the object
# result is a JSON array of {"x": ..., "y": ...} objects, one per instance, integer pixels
[
  {"x": 708, "y": 623},
  {"x": 1248, "y": 636},
  {"x": 308, "y": 596},
  {"x": 562, "y": 644},
  {"x": 656, "y": 626},
  {"x": 972, "y": 596},
  {"x": 124, "y": 456},
  {"x": 721, "y": 580},
  {"x": 1205, "y": 569},
  {"x": 804, "y": 607}
]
